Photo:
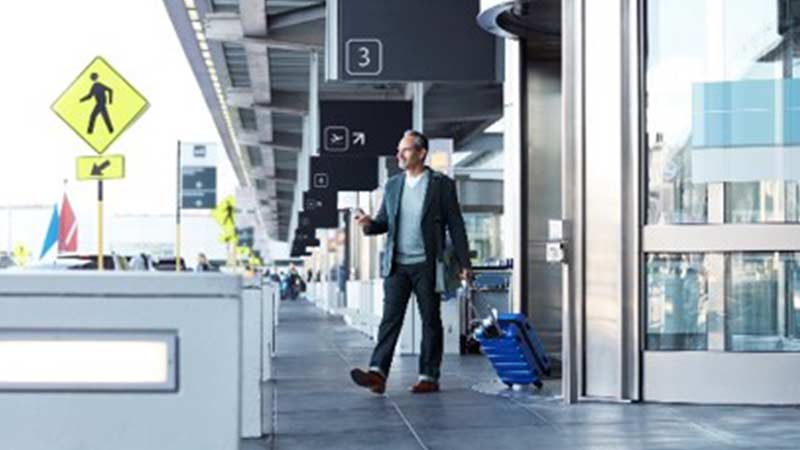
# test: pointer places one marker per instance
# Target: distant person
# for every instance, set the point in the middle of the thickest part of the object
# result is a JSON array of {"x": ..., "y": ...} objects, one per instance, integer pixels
[
  {"x": 99, "y": 91},
  {"x": 140, "y": 263},
  {"x": 295, "y": 282},
  {"x": 202, "y": 263},
  {"x": 418, "y": 205}
]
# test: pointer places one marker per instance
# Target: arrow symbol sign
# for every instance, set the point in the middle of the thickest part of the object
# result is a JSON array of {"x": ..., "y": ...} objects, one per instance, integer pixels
[
  {"x": 359, "y": 138},
  {"x": 98, "y": 170}
]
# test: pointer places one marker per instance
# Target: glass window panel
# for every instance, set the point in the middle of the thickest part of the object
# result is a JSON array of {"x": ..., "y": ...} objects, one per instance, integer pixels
[
  {"x": 762, "y": 304},
  {"x": 677, "y": 302},
  {"x": 723, "y": 106},
  {"x": 485, "y": 237}
]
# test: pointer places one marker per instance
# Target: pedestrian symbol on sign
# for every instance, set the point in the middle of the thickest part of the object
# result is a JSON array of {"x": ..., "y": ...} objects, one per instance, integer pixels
[
  {"x": 98, "y": 92},
  {"x": 229, "y": 208}
]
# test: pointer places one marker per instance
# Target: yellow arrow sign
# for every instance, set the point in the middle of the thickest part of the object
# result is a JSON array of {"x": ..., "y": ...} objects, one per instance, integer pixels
[
  {"x": 255, "y": 261},
  {"x": 228, "y": 236},
  {"x": 100, "y": 105},
  {"x": 243, "y": 252},
  {"x": 111, "y": 167}
]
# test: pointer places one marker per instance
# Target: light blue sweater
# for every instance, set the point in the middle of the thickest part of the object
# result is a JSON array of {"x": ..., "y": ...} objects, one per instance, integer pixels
[{"x": 410, "y": 246}]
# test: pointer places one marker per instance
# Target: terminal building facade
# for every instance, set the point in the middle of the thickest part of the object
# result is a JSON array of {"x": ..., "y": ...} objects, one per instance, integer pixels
[{"x": 638, "y": 169}]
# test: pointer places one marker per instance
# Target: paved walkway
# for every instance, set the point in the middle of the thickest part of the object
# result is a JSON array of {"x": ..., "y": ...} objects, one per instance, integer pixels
[{"x": 318, "y": 407}]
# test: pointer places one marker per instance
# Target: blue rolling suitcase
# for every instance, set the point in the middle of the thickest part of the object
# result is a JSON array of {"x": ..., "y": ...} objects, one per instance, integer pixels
[{"x": 516, "y": 353}]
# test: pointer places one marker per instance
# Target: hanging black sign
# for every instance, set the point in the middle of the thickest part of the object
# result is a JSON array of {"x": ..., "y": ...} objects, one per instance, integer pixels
[
  {"x": 410, "y": 40},
  {"x": 344, "y": 174},
  {"x": 320, "y": 206},
  {"x": 362, "y": 128}
]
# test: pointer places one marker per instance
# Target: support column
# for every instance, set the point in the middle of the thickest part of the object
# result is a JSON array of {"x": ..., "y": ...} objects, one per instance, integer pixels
[
  {"x": 515, "y": 239},
  {"x": 572, "y": 180},
  {"x": 418, "y": 113}
]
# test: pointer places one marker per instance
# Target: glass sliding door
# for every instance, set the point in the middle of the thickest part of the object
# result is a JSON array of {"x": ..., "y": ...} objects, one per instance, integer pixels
[{"x": 721, "y": 239}]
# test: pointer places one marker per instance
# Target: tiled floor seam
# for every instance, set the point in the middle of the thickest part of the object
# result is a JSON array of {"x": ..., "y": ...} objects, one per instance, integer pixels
[
  {"x": 719, "y": 435},
  {"x": 394, "y": 404},
  {"x": 408, "y": 424}
]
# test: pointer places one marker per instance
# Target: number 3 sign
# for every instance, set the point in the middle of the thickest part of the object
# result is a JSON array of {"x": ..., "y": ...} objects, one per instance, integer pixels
[{"x": 364, "y": 57}]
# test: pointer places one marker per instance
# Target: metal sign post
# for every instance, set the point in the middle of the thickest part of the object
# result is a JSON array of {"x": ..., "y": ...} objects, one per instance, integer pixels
[
  {"x": 178, "y": 214},
  {"x": 100, "y": 225}
]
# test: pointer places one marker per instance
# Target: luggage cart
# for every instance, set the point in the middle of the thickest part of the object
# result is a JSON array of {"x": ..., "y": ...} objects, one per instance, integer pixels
[{"x": 487, "y": 292}]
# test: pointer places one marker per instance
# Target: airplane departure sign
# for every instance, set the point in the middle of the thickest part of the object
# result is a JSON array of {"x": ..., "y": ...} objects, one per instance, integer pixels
[
  {"x": 110, "y": 167},
  {"x": 362, "y": 128},
  {"x": 409, "y": 40},
  {"x": 100, "y": 105}
]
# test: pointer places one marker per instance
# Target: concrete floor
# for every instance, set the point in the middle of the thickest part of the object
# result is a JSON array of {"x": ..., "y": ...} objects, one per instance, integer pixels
[{"x": 318, "y": 407}]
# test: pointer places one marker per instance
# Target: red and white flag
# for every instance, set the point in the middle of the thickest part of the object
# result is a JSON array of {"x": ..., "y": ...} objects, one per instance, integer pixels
[{"x": 67, "y": 228}]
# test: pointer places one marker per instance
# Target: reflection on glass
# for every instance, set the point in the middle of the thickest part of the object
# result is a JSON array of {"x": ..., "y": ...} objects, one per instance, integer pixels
[
  {"x": 673, "y": 198},
  {"x": 677, "y": 302},
  {"x": 723, "y": 106},
  {"x": 485, "y": 237},
  {"x": 763, "y": 201},
  {"x": 762, "y": 305}
]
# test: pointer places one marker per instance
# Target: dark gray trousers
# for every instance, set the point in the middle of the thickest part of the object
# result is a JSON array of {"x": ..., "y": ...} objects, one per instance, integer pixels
[{"x": 397, "y": 288}]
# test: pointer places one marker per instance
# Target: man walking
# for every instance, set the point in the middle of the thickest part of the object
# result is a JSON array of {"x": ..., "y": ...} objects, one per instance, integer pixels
[{"x": 417, "y": 206}]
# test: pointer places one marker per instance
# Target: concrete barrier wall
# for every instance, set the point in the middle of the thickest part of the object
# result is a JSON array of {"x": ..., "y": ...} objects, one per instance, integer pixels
[
  {"x": 252, "y": 358},
  {"x": 202, "y": 311},
  {"x": 269, "y": 298}
]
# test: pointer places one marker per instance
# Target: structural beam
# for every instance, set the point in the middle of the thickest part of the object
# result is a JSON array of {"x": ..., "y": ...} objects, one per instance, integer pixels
[
  {"x": 295, "y": 17},
  {"x": 225, "y": 27},
  {"x": 476, "y": 106},
  {"x": 292, "y": 103}
]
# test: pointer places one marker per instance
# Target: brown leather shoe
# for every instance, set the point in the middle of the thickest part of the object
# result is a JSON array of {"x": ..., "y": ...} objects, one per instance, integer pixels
[
  {"x": 424, "y": 387},
  {"x": 369, "y": 379}
]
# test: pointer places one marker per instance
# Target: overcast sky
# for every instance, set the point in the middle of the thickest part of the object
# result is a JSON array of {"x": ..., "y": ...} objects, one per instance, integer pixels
[{"x": 44, "y": 47}]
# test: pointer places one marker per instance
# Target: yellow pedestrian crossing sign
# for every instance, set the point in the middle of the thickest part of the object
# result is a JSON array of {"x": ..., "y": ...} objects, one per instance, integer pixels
[
  {"x": 110, "y": 167},
  {"x": 21, "y": 254},
  {"x": 100, "y": 105},
  {"x": 224, "y": 214}
]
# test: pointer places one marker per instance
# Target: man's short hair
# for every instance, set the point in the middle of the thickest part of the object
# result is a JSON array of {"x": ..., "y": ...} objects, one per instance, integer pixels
[{"x": 420, "y": 140}]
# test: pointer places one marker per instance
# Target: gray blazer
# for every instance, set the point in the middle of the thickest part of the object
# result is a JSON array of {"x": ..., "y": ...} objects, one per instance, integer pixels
[{"x": 440, "y": 210}]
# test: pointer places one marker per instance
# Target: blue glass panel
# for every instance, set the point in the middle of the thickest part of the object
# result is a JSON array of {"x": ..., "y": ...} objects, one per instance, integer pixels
[
  {"x": 791, "y": 127},
  {"x": 752, "y": 128}
]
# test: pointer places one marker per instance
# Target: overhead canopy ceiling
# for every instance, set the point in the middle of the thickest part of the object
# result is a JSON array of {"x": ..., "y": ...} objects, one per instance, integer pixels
[{"x": 252, "y": 61}]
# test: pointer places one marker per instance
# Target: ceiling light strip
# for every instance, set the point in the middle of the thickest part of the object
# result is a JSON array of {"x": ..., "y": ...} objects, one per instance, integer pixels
[{"x": 197, "y": 26}]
